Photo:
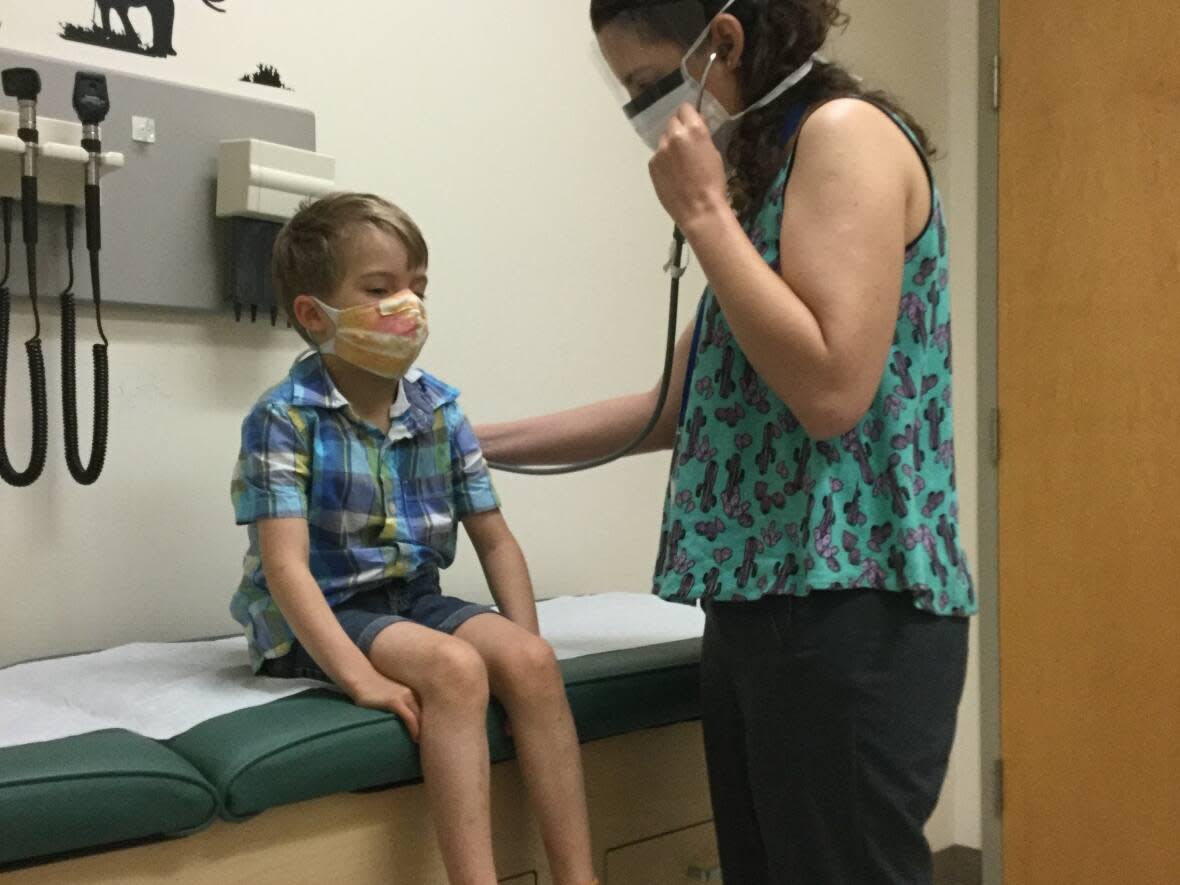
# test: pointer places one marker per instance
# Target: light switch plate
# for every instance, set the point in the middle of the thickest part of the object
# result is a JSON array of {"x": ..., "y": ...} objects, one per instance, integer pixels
[{"x": 143, "y": 129}]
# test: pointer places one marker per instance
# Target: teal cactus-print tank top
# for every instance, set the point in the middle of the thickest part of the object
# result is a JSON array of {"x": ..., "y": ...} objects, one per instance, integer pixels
[{"x": 755, "y": 507}]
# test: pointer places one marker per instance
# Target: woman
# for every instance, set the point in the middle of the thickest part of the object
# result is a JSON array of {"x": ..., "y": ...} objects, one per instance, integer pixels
[{"x": 811, "y": 505}]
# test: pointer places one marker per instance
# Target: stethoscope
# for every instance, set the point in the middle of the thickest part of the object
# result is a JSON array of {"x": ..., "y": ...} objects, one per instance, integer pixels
[{"x": 675, "y": 268}]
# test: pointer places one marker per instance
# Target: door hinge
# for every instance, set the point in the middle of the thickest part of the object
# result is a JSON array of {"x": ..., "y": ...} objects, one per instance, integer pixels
[
  {"x": 996, "y": 82},
  {"x": 999, "y": 788},
  {"x": 994, "y": 433}
]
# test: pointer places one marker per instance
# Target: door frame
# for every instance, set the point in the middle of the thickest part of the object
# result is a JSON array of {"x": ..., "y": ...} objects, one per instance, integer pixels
[{"x": 987, "y": 566}]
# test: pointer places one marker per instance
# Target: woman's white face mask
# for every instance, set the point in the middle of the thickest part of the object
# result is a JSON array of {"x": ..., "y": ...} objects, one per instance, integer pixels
[{"x": 650, "y": 112}]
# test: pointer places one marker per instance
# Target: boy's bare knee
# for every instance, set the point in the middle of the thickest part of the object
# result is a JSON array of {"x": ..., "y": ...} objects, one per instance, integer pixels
[
  {"x": 455, "y": 675},
  {"x": 530, "y": 670}
]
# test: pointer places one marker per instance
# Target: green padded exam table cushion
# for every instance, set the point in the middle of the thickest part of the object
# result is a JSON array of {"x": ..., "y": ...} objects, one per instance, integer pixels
[
  {"x": 97, "y": 789},
  {"x": 319, "y": 743}
]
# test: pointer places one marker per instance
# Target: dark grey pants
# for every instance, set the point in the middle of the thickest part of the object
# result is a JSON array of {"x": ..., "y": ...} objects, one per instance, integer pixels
[{"x": 828, "y": 725}]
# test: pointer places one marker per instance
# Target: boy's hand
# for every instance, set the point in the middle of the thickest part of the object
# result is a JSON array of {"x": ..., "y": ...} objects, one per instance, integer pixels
[{"x": 380, "y": 693}]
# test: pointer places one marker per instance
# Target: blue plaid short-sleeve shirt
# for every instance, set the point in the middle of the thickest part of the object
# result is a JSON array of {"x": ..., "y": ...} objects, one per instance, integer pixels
[{"x": 378, "y": 506}]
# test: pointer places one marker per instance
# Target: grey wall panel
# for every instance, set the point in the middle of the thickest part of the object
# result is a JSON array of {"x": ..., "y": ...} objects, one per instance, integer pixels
[{"x": 161, "y": 244}]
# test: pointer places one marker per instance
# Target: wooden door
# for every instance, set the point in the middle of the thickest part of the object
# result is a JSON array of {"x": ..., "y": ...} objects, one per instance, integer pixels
[{"x": 1089, "y": 393}]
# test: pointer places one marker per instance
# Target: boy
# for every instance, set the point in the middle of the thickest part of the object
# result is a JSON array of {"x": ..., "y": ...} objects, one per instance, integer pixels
[{"x": 353, "y": 476}]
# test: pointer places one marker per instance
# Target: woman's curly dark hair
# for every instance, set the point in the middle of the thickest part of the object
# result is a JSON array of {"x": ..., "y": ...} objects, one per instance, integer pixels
[{"x": 780, "y": 36}]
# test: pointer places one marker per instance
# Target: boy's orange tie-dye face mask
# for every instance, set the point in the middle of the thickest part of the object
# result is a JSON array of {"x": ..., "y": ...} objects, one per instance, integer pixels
[{"x": 384, "y": 338}]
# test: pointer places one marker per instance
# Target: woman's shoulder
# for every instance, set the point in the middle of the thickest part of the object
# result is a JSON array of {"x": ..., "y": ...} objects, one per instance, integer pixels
[
  {"x": 850, "y": 126},
  {"x": 856, "y": 147}
]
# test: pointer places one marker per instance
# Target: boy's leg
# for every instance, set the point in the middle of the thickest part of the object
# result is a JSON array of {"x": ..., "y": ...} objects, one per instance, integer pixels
[
  {"x": 525, "y": 678},
  {"x": 452, "y": 686}
]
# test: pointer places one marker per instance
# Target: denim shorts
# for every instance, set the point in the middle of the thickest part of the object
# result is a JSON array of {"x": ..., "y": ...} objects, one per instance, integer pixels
[{"x": 419, "y": 601}]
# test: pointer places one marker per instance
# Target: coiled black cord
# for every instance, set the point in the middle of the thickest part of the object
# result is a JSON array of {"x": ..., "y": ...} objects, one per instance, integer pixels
[
  {"x": 84, "y": 474},
  {"x": 38, "y": 397}
]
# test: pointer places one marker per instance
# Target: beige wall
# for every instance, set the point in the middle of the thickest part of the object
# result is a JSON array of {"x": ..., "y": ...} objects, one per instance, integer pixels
[{"x": 494, "y": 130}]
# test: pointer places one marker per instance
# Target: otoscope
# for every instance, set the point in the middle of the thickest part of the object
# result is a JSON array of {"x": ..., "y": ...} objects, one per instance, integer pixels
[
  {"x": 91, "y": 104},
  {"x": 675, "y": 269},
  {"x": 24, "y": 84}
]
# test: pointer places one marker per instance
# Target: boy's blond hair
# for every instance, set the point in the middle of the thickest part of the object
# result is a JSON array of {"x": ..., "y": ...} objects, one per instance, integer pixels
[{"x": 308, "y": 256}]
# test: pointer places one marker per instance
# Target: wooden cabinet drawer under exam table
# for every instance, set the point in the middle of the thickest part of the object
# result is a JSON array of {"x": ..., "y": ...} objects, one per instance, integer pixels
[{"x": 678, "y": 858}]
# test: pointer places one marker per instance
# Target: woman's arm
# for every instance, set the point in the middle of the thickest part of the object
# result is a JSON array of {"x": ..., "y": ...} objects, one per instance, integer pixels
[
  {"x": 818, "y": 333},
  {"x": 591, "y": 431}
]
